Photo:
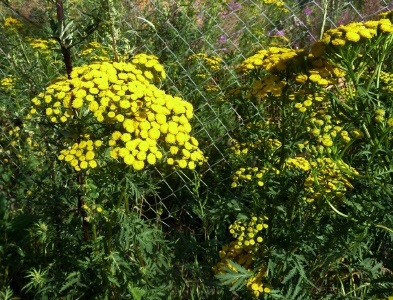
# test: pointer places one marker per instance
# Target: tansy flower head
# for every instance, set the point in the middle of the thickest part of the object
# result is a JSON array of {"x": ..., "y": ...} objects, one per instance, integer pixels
[{"x": 122, "y": 98}]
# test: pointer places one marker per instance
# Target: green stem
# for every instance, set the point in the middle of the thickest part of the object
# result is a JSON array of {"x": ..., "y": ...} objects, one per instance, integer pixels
[
  {"x": 113, "y": 29},
  {"x": 352, "y": 219},
  {"x": 384, "y": 227},
  {"x": 126, "y": 204},
  {"x": 94, "y": 232},
  {"x": 325, "y": 6},
  {"x": 85, "y": 224},
  {"x": 284, "y": 128},
  {"x": 108, "y": 249},
  {"x": 339, "y": 212}
]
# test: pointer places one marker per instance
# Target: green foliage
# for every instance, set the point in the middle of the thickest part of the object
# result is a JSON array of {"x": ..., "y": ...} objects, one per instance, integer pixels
[{"x": 325, "y": 237}]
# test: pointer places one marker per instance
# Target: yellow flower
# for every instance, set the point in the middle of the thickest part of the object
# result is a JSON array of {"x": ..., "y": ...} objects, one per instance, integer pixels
[
  {"x": 77, "y": 103},
  {"x": 92, "y": 164},
  {"x": 116, "y": 135},
  {"x": 301, "y": 78},
  {"x": 158, "y": 154},
  {"x": 181, "y": 138},
  {"x": 154, "y": 134},
  {"x": 170, "y": 138},
  {"x": 119, "y": 118},
  {"x": 122, "y": 152},
  {"x": 49, "y": 111},
  {"x": 182, "y": 163},
  {"x": 371, "y": 24},
  {"x": 90, "y": 155},
  {"x": 138, "y": 165},
  {"x": 327, "y": 142},
  {"x": 141, "y": 155},
  {"x": 386, "y": 27},
  {"x": 352, "y": 36},
  {"x": 315, "y": 77},
  {"x": 129, "y": 159},
  {"x": 191, "y": 165},
  {"x": 69, "y": 157},
  {"x": 338, "y": 42},
  {"x": 84, "y": 164},
  {"x": 12, "y": 23},
  {"x": 366, "y": 33},
  {"x": 143, "y": 146},
  {"x": 81, "y": 93},
  {"x": 174, "y": 150},
  {"x": 125, "y": 137},
  {"x": 114, "y": 153},
  {"x": 151, "y": 158}
]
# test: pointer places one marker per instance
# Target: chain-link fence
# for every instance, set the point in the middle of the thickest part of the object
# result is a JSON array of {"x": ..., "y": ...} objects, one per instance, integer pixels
[
  {"x": 231, "y": 31},
  {"x": 200, "y": 42}
]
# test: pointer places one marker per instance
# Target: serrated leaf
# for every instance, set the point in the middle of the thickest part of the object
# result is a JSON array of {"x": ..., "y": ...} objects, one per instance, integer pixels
[
  {"x": 72, "y": 279},
  {"x": 137, "y": 293}
]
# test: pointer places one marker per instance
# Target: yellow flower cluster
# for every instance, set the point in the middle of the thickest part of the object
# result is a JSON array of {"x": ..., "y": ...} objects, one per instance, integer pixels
[
  {"x": 268, "y": 85},
  {"x": 331, "y": 179},
  {"x": 12, "y": 24},
  {"x": 10, "y": 149},
  {"x": 41, "y": 44},
  {"x": 93, "y": 212},
  {"x": 379, "y": 115},
  {"x": 278, "y": 3},
  {"x": 322, "y": 73},
  {"x": 327, "y": 178},
  {"x": 255, "y": 284},
  {"x": 251, "y": 174},
  {"x": 15, "y": 131},
  {"x": 304, "y": 101},
  {"x": 206, "y": 67},
  {"x": 243, "y": 148},
  {"x": 95, "y": 51},
  {"x": 81, "y": 155},
  {"x": 4, "y": 155},
  {"x": 149, "y": 63},
  {"x": 7, "y": 83},
  {"x": 248, "y": 240},
  {"x": 271, "y": 60},
  {"x": 123, "y": 97},
  {"x": 323, "y": 129},
  {"x": 298, "y": 162},
  {"x": 387, "y": 80},
  {"x": 213, "y": 63},
  {"x": 352, "y": 33}
]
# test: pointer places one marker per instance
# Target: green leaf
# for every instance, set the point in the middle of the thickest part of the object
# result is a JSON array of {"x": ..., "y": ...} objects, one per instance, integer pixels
[
  {"x": 235, "y": 278},
  {"x": 137, "y": 293},
  {"x": 71, "y": 280}
]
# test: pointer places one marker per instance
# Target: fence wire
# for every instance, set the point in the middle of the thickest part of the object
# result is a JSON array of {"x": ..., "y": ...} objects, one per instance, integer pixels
[{"x": 180, "y": 33}]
